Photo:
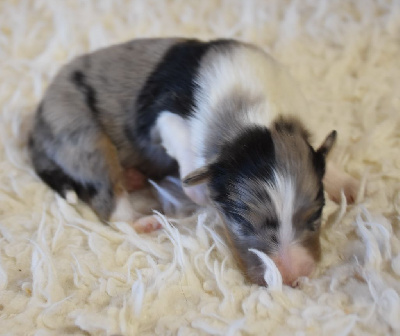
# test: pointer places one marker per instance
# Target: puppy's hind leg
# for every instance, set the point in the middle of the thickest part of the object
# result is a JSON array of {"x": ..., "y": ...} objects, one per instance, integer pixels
[
  {"x": 80, "y": 162},
  {"x": 98, "y": 163},
  {"x": 54, "y": 176}
]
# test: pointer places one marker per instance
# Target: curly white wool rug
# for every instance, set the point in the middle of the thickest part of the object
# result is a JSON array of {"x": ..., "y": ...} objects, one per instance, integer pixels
[{"x": 62, "y": 272}]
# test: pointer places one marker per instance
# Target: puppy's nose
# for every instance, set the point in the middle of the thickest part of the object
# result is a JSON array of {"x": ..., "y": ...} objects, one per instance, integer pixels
[{"x": 293, "y": 263}]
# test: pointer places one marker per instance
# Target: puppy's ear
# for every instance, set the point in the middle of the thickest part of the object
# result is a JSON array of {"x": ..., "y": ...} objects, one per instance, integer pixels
[
  {"x": 198, "y": 176},
  {"x": 328, "y": 143}
]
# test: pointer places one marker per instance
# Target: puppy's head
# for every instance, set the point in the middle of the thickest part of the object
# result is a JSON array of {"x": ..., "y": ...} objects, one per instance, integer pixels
[{"x": 267, "y": 186}]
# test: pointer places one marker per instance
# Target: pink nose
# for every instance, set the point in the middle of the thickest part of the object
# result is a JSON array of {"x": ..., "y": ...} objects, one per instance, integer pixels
[{"x": 294, "y": 262}]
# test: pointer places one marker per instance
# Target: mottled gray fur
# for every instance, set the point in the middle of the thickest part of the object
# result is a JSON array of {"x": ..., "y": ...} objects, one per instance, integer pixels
[{"x": 91, "y": 146}]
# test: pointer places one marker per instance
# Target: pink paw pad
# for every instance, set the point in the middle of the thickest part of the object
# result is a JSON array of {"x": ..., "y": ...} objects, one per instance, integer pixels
[
  {"x": 350, "y": 189},
  {"x": 146, "y": 224}
]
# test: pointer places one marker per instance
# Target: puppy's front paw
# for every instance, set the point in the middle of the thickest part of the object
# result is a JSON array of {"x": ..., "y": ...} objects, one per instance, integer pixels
[
  {"x": 146, "y": 224},
  {"x": 336, "y": 180},
  {"x": 349, "y": 186}
]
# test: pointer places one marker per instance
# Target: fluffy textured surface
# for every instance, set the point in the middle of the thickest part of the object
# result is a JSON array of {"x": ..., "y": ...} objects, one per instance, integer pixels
[{"x": 63, "y": 272}]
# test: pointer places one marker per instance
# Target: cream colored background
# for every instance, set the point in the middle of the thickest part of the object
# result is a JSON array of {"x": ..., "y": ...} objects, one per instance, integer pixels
[{"x": 62, "y": 272}]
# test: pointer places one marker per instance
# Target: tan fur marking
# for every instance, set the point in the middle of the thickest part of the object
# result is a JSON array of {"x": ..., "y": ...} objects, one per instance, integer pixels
[{"x": 114, "y": 167}]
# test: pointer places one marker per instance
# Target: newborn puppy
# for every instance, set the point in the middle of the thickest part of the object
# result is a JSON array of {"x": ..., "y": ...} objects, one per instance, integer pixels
[{"x": 221, "y": 114}]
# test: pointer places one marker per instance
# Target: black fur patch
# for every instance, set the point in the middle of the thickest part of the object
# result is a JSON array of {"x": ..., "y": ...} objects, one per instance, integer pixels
[
  {"x": 251, "y": 155},
  {"x": 61, "y": 183},
  {"x": 318, "y": 163},
  {"x": 171, "y": 86},
  {"x": 80, "y": 81},
  {"x": 290, "y": 125}
]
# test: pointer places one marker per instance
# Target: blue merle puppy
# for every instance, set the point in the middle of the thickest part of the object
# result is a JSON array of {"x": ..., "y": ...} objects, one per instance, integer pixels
[{"x": 223, "y": 115}]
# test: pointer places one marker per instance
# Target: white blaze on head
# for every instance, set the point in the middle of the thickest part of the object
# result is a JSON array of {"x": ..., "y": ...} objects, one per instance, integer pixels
[
  {"x": 292, "y": 260},
  {"x": 282, "y": 194}
]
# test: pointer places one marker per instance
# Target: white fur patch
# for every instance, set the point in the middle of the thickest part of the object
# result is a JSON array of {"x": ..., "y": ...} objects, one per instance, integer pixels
[
  {"x": 175, "y": 137},
  {"x": 71, "y": 197},
  {"x": 123, "y": 211},
  {"x": 282, "y": 193},
  {"x": 252, "y": 73}
]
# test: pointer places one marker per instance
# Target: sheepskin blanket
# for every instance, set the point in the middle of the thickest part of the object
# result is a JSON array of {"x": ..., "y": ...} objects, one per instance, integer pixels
[{"x": 63, "y": 272}]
